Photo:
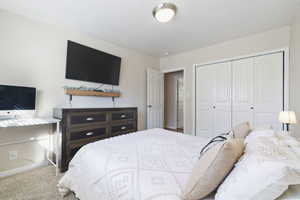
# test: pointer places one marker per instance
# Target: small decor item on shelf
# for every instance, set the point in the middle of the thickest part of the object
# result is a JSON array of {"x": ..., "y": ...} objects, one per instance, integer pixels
[{"x": 287, "y": 118}]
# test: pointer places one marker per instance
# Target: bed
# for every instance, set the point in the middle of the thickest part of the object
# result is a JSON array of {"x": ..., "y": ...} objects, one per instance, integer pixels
[
  {"x": 152, "y": 164},
  {"x": 146, "y": 165}
]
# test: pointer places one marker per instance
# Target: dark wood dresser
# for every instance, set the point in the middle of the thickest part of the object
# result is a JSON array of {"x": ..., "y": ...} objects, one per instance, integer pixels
[{"x": 81, "y": 126}]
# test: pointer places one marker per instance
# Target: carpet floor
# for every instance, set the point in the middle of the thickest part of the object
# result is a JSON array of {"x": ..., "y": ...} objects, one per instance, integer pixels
[{"x": 37, "y": 184}]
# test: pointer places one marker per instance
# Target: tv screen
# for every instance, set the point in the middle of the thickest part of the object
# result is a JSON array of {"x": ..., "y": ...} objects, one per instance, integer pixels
[
  {"x": 88, "y": 64},
  {"x": 17, "y": 98}
]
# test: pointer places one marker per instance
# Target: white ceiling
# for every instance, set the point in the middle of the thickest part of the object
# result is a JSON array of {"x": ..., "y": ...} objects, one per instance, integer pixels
[{"x": 129, "y": 23}]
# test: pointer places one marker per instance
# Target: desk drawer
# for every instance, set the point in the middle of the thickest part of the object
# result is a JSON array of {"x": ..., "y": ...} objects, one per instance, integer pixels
[
  {"x": 89, "y": 133},
  {"x": 86, "y": 118},
  {"x": 127, "y": 115},
  {"x": 124, "y": 128}
]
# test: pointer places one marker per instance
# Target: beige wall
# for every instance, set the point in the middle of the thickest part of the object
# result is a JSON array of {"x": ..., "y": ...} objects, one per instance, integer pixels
[
  {"x": 271, "y": 40},
  {"x": 34, "y": 54},
  {"x": 295, "y": 72}
]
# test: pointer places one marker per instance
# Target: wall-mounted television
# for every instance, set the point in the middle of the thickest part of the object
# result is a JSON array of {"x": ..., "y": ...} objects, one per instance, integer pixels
[
  {"x": 14, "y": 98},
  {"x": 88, "y": 64}
]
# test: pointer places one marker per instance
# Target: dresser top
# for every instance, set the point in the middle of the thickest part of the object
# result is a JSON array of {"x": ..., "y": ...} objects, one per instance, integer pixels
[{"x": 91, "y": 109}]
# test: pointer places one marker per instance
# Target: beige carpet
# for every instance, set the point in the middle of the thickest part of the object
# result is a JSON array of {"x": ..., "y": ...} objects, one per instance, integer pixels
[{"x": 38, "y": 184}]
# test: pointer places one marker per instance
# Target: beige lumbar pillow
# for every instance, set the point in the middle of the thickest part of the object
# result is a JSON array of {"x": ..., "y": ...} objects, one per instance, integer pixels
[
  {"x": 241, "y": 130},
  {"x": 212, "y": 168}
]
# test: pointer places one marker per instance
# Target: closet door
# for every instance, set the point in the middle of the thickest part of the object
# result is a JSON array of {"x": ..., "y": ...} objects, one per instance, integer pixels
[
  {"x": 243, "y": 91},
  {"x": 205, "y": 92},
  {"x": 213, "y": 99},
  {"x": 222, "y": 100},
  {"x": 268, "y": 90}
]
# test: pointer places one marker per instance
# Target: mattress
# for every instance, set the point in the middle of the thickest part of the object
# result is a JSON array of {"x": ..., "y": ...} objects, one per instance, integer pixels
[{"x": 147, "y": 165}]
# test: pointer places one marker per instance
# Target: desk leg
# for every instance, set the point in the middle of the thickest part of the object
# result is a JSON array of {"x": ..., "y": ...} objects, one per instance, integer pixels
[{"x": 57, "y": 147}]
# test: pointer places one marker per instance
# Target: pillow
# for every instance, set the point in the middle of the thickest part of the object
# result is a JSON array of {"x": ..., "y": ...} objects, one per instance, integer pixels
[
  {"x": 260, "y": 133},
  {"x": 264, "y": 172},
  {"x": 212, "y": 168},
  {"x": 216, "y": 140},
  {"x": 288, "y": 140},
  {"x": 293, "y": 193},
  {"x": 241, "y": 130}
]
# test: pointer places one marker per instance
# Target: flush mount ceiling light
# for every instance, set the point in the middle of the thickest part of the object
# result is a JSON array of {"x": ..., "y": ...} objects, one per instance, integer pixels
[{"x": 164, "y": 12}]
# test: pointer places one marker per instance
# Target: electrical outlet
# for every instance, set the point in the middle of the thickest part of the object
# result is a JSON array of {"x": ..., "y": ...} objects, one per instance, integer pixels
[{"x": 13, "y": 155}]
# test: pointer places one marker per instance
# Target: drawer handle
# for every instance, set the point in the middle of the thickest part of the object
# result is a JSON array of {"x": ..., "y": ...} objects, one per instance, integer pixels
[
  {"x": 123, "y": 127},
  {"x": 123, "y": 116},
  {"x": 89, "y": 119},
  {"x": 89, "y": 134}
]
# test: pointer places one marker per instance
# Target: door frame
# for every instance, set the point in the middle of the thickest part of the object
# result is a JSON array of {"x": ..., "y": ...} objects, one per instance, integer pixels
[
  {"x": 184, "y": 93},
  {"x": 286, "y": 74}
]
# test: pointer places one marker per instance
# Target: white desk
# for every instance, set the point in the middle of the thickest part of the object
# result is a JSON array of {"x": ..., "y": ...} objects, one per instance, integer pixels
[{"x": 37, "y": 122}]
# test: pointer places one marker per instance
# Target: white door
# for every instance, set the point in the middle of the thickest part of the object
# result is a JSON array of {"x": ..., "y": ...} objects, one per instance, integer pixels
[
  {"x": 155, "y": 98},
  {"x": 222, "y": 100},
  {"x": 242, "y": 91},
  {"x": 205, "y": 94},
  {"x": 268, "y": 90},
  {"x": 213, "y": 99}
]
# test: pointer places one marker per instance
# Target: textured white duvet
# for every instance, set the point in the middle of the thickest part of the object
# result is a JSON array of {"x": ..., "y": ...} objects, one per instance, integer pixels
[{"x": 146, "y": 165}]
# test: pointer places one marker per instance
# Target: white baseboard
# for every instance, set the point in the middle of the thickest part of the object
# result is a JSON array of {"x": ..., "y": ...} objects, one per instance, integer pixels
[{"x": 23, "y": 169}]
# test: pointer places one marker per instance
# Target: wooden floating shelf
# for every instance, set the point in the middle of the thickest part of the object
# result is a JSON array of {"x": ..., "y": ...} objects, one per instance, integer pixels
[{"x": 91, "y": 93}]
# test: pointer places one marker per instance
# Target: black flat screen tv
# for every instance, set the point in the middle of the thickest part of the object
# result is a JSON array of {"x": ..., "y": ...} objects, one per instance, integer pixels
[
  {"x": 88, "y": 64},
  {"x": 17, "y": 98}
]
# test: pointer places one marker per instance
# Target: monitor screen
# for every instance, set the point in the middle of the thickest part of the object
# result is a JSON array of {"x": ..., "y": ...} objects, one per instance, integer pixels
[
  {"x": 17, "y": 98},
  {"x": 88, "y": 64}
]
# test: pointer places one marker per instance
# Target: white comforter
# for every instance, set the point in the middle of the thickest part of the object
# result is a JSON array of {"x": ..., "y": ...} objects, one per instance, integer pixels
[{"x": 146, "y": 165}]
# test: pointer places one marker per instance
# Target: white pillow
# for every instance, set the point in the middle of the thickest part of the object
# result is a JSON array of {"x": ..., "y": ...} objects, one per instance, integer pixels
[
  {"x": 259, "y": 133},
  {"x": 293, "y": 193},
  {"x": 263, "y": 173},
  {"x": 288, "y": 140}
]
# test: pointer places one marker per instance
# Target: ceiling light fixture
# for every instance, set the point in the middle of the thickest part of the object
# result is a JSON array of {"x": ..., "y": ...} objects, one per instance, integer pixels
[{"x": 164, "y": 12}]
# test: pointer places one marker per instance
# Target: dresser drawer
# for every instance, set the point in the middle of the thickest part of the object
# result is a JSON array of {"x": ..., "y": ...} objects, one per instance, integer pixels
[
  {"x": 87, "y": 118},
  {"x": 89, "y": 133},
  {"x": 73, "y": 151},
  {"x": 126, "y": 115},
  {"x": 124, "y": 128}
]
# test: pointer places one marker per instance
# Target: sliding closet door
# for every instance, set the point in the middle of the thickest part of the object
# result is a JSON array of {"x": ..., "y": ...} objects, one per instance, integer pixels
[
  {"x": 213, "y": 99},
  {"x": 268, "y": 90},
  {"x": 249, "y": 89},
  {"x": 222, "y": 100},
  {"x": 205, "y": 94},
  {"x": 243, "y": 91}
]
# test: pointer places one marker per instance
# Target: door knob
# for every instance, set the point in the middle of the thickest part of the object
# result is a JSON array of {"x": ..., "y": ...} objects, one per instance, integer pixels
[
  {"x": 214, "y": 107},
  {"x": 149, "y": 106},
  {"x": 252, "y": 108}
]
